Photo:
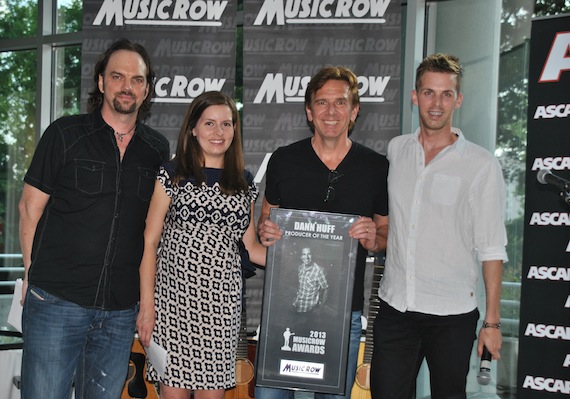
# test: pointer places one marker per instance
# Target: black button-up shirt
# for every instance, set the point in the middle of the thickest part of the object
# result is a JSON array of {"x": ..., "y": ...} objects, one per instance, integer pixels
[{"x": 89, "y": 241}]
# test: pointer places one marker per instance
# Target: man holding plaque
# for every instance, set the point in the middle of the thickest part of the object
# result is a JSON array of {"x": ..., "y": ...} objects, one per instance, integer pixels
[{"x": 329, "y": 172}]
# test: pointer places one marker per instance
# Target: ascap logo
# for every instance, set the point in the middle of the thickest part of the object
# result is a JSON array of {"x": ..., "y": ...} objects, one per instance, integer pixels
[
  {"x": 550, "y": 219},
  {"x": 546, "y": 384},
  {"x": 552, "y": 111},
  {"x": 556, "y": 163},
  {"x": 547, "y": 331},
  {"x": 292, "y": 88},
  {"x": 558, "y": 60},
  {"x": 549, "y": 273},
  {"x": 179, "y": 89},
  {"x": 322, "y": 11},
  {"x": 161, "y": 12}
]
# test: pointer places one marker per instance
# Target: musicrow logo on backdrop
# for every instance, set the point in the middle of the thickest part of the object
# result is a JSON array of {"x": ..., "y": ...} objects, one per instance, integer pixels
[
  {"x": 282, "y": 89},
  {"x": 174, "y": 85},
  {"x": 322, "y": 11},
  {"x": 180, "y": 89},
  {"x": 161, "y": 12}
]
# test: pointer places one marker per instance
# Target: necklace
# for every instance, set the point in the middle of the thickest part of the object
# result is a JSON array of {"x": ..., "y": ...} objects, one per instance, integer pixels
[{"x": 120, "y": 136}]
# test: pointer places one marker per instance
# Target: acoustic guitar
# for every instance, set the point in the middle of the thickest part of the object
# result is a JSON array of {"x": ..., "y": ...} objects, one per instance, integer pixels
[
  {"x": 137, "y": 386},
  {"x": 245, "y": 386},
  {"x": 361, "y": 390}
]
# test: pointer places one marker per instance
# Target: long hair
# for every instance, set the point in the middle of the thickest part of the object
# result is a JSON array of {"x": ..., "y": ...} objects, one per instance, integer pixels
[
  {"x": 189, "y": 158},
  {"x": 440, "y": 63},
  {"x": 95, "y": 101},
  {"x": 332, "y": 73}
]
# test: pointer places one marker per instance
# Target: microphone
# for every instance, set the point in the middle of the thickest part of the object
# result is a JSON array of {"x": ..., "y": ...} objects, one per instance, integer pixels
[
  {"x": 545, "y": 176},
  {"x": 484, "y": 375}
]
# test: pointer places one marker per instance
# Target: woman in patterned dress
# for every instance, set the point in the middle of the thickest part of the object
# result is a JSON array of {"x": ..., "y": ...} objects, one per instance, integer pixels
[{"x": 191, "y": 284}]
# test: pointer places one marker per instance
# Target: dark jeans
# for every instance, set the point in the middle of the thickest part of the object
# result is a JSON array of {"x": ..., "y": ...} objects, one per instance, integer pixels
[
  {"x": 403, "y": 340},
  {"x": 64, "y": 342}
]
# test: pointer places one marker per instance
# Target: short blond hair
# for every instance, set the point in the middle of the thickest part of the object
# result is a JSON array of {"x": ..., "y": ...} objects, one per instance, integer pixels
[{"x": 441, "y": 63}]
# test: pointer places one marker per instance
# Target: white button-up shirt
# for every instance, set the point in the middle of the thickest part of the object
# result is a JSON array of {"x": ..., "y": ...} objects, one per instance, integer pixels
[{"x": 445, "y": 218}]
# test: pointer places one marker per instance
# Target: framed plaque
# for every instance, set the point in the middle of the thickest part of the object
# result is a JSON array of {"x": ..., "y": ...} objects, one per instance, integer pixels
[{"x": 306, "y": 315}]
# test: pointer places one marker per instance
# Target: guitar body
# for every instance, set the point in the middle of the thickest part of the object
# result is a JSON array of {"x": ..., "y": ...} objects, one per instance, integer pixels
[
  {"x": 361, "y": 388},
  {"x": 244, "y": 381},
  {"x": 363, "y": 376},
  {"x": 244, "y": 371},
  {"x": 137, "y": 386},
  {"x": 251, "y": 349}
]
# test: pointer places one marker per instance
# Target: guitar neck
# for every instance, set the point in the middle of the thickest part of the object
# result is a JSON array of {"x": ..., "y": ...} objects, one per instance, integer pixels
[
  {"x": 374, "y": 304},
  {"x": 241, "y": 351}
]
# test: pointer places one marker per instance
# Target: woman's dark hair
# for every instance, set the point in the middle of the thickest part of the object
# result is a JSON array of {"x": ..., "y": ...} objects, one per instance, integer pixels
[
  {"x": 189, "y": 158},
  {"x": 95, "y": 101}
]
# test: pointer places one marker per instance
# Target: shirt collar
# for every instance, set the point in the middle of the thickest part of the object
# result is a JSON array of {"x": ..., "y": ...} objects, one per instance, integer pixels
[
  {"x": 99, "y": 123},
  {"x": 459, "y": 144}
]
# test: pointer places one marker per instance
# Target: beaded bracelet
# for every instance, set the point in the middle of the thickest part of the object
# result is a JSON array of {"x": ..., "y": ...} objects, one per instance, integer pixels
[{"x": 491, "y": 325}]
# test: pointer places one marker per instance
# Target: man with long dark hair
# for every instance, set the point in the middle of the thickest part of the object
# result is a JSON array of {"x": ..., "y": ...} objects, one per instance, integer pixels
[{"x": 82, "y": 214}]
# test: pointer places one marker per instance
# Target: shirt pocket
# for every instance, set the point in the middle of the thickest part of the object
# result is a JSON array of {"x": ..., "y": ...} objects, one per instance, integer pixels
[
  {"x": 89, "y": 176},
  {"x": 146, "y": 183},
  {"x": 445, "y": 189}
]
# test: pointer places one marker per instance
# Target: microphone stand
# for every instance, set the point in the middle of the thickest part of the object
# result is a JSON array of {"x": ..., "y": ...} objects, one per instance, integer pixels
[
  {"x": 565, "y": 193},
  {"x": 544, "y": 176}
]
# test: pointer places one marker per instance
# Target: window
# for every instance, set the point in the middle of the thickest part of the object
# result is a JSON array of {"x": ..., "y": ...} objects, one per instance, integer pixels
[{"x": 39, "y": 82}]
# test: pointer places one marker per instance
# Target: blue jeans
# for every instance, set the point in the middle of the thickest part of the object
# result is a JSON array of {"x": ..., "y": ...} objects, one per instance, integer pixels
[
  {"x": 353, "y": 347},
  {"x": 66, "y": 343}
]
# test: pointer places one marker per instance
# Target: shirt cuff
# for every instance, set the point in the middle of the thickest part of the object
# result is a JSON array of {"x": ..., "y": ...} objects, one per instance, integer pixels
[{"x": 493, "y": 253}]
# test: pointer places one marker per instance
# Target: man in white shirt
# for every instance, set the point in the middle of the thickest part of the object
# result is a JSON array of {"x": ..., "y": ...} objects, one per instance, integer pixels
[{"x": 446, "y": 201}]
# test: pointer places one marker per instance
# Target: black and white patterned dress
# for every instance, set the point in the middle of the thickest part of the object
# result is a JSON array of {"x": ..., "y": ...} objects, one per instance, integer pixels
[{"x": 198, "y": 282}]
